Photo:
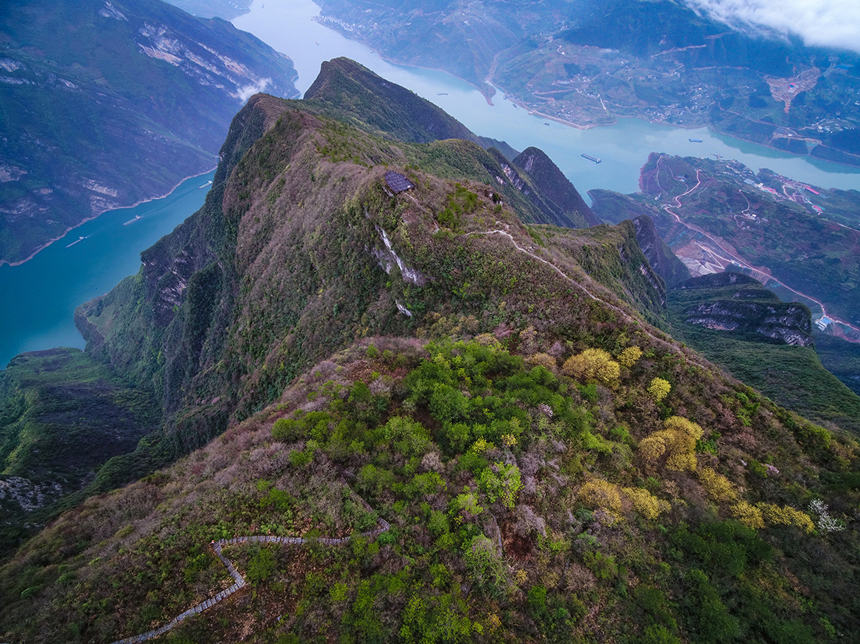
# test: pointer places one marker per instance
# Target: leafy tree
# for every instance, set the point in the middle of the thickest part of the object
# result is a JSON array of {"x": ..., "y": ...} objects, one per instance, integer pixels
[
  {"x": 501, "y": 481},
  {"x": 485, "y": 566},
  {"x": 593, "y": 364},
  {"x": 659, "y": 389},
  {"x": 629, "y": 357},
  {"x": 676, "y": 443}
]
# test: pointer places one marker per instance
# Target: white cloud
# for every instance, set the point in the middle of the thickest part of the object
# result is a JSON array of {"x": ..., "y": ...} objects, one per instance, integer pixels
[
  {"x": 247, "y": 91},
  {"x": 827, "y": 23}
]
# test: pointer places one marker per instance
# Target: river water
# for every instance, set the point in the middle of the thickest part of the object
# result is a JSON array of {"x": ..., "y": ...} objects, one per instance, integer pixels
[
  {"x": 38, "y": 298},
  {"x": 289, "y": 26}
]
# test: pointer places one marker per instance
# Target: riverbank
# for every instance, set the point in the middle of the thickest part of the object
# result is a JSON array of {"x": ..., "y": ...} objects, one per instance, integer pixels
[{"x": 139, "y": 202}]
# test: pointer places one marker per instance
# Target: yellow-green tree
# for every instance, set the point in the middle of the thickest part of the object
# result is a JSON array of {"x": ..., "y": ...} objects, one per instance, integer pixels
[
  {"x": 748, "y": 514},
  {"x": 718, "y": 487},
  {"x": 600, "y": 494},
  {"x": 593, "y": 364},
  {"x": 676, "y": 442},
  {"x": 786, "y": 515},
  {"x": 645, "y": 503},
  {"x": 659, "y": 389},
  {"x": 630, "y": 356}
]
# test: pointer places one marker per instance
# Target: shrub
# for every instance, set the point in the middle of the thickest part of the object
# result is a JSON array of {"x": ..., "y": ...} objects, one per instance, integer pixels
[
  {"x": 465, "y": 506},
  {"x": 630, "y": 356},
  {"x": 748, "y": 514},
  {"x": 718, "y": 487},
  {"x": 593, "y": 364},
  {"x": 484, "y": 565},
  {"x": 786, "y": 515},
  {"x": 409, "y": 437},
  {"x": 502, "y": 482},
  {"x": 601, "y": 494},
  {"x": 603, "y": 566},
  {"x": 659, "y": 389},
  {"x": 447, "y": 404},
  {"x": 542, "y": 359},
  {"x": 262, "y": 565},
  {"x": 825, "y": 523},
  {"x": 646, "y": 503}
]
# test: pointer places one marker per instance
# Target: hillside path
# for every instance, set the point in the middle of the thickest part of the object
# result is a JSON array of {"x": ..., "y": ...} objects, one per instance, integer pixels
[
  {"x": 239, "y": 580},
  {"x": 626, "y": 316}
]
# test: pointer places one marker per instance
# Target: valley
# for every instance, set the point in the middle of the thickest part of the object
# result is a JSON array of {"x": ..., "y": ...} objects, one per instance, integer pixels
[
  {"x": 588, "y": 64},
  {"x": 88, "y": 130},
  {"x": 486, "y": 403}
]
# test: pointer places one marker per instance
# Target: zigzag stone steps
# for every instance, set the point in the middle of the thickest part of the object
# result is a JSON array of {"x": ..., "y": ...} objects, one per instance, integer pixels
[{"x": 382, "y": 526}]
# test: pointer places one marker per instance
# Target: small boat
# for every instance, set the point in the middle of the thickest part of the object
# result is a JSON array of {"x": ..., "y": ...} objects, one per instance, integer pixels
[
  {"x": 131, "y": 221},
  {"x": 695, "y": 140},
  {"x": 441, "y": 93},
  {"x": 77, "y": 241},
  {"x": 205, "y": 185},
  {"x": 546, "y": 123},
  {"x": 594, "y": 160}
]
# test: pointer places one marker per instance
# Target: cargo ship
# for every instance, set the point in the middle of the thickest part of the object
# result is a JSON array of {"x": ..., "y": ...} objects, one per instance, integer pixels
[{"x": 590, "y": 158}]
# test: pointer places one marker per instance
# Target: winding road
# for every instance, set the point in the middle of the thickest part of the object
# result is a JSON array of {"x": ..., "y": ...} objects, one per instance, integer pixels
[{"x": 734, "y": 257}]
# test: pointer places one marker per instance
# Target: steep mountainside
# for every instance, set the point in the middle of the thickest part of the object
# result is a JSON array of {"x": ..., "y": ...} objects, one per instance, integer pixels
[
  {"x": 90, "y": 128},
  {"x": 589, "y": 62},
  {"x": 62, "y": 415},
  {"x": 169, "y": 326},
  {"x": 171, "y": 329},
  {"x": 736, "y": 322},
  {"x": 351, "y": 92},
  {"x": 664, "y": 262},
  {"x": 442, "y": 424},
  {"x": 552, "y": 183}
]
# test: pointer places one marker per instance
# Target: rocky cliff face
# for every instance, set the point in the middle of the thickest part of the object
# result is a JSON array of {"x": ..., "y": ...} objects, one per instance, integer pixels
[
  {"x": 738, "y": 303},
  {"x": 555, "y": 187},
  {"x": 664, "y": 262}
]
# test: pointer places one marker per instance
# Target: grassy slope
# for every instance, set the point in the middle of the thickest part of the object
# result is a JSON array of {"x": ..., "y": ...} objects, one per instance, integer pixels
[{"x": 569, "y": 565}]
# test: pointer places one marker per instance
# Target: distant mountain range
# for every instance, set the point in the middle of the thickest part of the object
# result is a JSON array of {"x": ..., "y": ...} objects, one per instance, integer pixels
[
  {"x": 589, "y": 63},
  {"x": 108, "y": 102}
]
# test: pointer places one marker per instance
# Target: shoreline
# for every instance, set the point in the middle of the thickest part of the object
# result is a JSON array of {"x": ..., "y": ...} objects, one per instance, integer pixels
[
  {"x": 481, "y": 88},
  {"x": 6, "y": 262}
]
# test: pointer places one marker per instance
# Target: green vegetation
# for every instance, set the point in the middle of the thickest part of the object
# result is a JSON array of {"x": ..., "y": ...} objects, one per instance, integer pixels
[
  {"x": 489, "y": 537},
  {"x": 62, "y": 416},
  {"x": 791, "y": 375},
  {"x": 327, "y": 356}
]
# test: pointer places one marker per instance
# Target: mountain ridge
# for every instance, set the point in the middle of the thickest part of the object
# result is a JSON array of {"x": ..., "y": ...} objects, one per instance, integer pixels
[{"x": 332, "y": 356}]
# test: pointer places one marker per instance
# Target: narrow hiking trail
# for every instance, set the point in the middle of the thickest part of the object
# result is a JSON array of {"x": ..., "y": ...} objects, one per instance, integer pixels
[
  {"x": 626, "y": 316},
  {"x": 238, "y": 579}
]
